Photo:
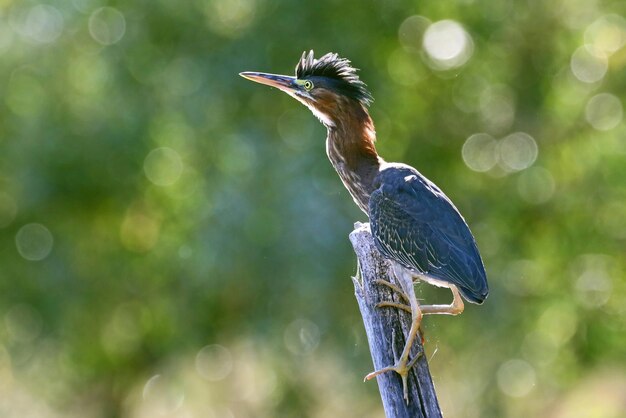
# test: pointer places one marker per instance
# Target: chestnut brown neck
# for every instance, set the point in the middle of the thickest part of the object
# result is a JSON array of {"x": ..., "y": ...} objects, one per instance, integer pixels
[{"x": 351, "y": 150}]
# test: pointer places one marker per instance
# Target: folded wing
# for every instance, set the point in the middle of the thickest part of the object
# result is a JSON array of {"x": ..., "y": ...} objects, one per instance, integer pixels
[{"x": 415, "y": 224}]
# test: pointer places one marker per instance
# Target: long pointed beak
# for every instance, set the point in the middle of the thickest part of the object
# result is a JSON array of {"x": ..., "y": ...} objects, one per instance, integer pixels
[{"x": 282, "y": 82}]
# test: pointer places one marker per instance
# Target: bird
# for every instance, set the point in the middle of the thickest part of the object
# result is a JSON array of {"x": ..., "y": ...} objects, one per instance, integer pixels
[{"x": 413, "y": 223}]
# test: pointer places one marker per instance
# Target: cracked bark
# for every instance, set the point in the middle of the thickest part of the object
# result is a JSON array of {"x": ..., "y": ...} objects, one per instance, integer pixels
[{"x": 386, "y": 330}]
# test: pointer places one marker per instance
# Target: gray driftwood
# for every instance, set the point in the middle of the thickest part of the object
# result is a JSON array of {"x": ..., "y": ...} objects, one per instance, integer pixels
[{"x": 386, "y": 329}]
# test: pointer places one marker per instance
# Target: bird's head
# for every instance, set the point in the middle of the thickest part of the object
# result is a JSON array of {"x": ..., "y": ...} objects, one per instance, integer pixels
[{"x": 326, "y": 85}]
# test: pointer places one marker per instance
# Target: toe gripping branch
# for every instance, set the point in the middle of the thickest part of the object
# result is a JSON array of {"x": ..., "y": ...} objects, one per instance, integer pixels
[
  {"x": 404, "y": 362},
  {"x": 407, "y": 390}
]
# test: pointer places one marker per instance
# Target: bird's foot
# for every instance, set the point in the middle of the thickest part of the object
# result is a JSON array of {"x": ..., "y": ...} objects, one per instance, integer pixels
[
  {"x": 396, "y": 305},
  {"x": 403, "y": 364},
  {"x": 402, "y": 367},
  {"x": 394, "y": 288},
  {"x": 406, "y": 307}
]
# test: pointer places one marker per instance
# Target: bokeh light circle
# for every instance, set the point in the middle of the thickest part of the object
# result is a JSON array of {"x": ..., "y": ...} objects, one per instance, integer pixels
[
  {"x": 43, "y": 24},
  {"x": 411, "y": 31},
  {"x": 447, "y": 44},
  {"x": 558, "y": 323},
  {"x": 34, "y": 242},
  {"x": 479, "y": 152},
  {"x": 594, "y": 286},
  {"x": 604, "y": 111},
  {"x": 517, "y": 151},
  {"x": 606, "y": 34},
  {"x": 140, "y": 229},
  {"x": 516, "y": 378},
  {"x": 214, "y": 362},
  {"x": 163, "y": 396},
  {"x": 107, "y": 25},
  {"x": 301, "y": 337},
  {"x": 163, "y": 166},
  {"x": 588, "y": 65},
  {"x": 230, "y": 17}
]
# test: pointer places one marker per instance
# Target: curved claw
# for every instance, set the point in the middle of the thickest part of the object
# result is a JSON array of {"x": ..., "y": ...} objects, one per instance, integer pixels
[{"x": 402, "y": 369}]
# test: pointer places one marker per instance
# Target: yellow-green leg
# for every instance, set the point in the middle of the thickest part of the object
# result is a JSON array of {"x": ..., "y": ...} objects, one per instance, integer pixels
[
  {"x": 407, "y": 293},
  {"x": 455, "y": 308},
  {"x": 403, "y": 365}
]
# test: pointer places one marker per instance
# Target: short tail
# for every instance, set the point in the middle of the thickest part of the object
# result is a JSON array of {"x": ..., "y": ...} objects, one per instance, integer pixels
[{"x": 477, "y": 296}]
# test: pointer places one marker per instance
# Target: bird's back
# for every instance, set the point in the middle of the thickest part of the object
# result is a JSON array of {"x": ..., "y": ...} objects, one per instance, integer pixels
[{"x": 415, "y": 224}]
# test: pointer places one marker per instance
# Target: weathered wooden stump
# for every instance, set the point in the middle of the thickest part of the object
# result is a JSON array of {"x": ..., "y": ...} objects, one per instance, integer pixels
[{"x": 386, "y": 330}]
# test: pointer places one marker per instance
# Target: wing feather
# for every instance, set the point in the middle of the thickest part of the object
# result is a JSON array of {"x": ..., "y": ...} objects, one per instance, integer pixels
[{"x": 414, "y": 223}]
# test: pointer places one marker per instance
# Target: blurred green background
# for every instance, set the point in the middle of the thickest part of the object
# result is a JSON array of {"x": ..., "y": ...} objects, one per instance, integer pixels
[{"x": 174, "y": 242}]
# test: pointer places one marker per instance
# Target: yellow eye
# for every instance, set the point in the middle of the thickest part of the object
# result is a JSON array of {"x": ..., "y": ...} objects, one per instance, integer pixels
[{"x": 308, "y": 85}]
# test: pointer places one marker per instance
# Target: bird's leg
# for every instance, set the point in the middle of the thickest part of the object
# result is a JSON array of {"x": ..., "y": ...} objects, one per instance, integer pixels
[
  {"x": 455, "y": 308},
  {"x": 403, "y": 365},
  {"x": 403, "y": 306}
]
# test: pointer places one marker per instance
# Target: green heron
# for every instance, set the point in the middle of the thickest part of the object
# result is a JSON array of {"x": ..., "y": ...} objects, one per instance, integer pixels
[{"x": 413, "y": 223}]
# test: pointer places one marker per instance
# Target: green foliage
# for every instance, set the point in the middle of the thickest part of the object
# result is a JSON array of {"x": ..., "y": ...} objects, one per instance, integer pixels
[{"x": 173, "y": 239}]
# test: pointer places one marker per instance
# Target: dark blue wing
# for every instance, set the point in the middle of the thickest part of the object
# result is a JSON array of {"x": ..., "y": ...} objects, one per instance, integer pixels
[{"x": 415, "y": 224}]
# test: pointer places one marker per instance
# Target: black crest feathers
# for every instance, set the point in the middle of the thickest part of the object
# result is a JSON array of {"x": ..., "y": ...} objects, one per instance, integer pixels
[{"x": 331, "y": 66}]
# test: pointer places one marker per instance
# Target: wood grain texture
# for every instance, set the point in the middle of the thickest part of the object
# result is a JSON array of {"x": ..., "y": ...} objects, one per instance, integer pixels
[{"x": 386, "y": 330}]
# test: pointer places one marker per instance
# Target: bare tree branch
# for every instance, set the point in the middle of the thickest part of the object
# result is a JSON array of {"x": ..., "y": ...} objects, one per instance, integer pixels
[{"x": 386, "y": 329}]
